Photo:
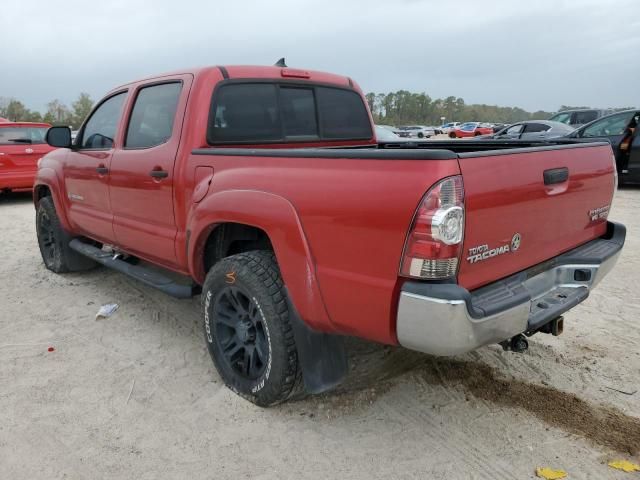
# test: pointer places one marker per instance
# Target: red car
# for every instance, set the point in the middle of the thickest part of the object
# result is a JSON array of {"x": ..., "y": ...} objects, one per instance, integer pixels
[
  {"x": 471, "y": 129},
  {"x": 242, "y": 184},
  {"x": 21, "y": 145}
]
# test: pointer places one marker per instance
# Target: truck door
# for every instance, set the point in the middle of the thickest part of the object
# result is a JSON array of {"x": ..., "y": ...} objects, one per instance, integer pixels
[
  {"x": 634, "y": 156},
  {"x": 87, "y": 168},
  {"x": 141, "y": 185}
]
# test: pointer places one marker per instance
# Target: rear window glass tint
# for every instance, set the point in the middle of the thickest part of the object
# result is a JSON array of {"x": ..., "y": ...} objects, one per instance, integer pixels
[
  {"x": 152, "y": 118},
  {"x": 342, "y": 114},
  {"x": 274, "y": 112},
  {"x": 298, "y": 112},
  {"x": 586, "y": 117},
  {"x": 246, "y": 112}
]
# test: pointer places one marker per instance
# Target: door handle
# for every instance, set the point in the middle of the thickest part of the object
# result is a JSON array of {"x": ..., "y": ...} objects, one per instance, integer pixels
[
  {"x": 102, "y": 170},
  {"x": 556, "y": 175},
  {"x": 159, "y": 173}
]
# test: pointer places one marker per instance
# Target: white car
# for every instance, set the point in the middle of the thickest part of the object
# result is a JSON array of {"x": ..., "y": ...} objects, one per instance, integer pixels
[
  {"x": 449, "y": 127},
  {"x": 415, "y": 131}
]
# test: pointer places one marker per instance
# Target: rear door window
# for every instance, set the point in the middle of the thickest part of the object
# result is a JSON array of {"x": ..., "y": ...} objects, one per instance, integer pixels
[
  {"x": 152, "y": 117},
  {"x": 609, "y": 126},
  {"x": 536, "y": 128},
  {"x": 284, "y": 112},
  {"x": 298, "y": 112}
]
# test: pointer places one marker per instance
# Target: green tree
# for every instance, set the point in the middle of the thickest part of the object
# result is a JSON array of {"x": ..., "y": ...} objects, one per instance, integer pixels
[
  {"x": 81, "y": 109},
  {"x": 15, "y": 111}
]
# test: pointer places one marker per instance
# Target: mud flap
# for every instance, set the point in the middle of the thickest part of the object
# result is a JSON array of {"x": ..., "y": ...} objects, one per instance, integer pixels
[{"x": 322, "y": 356}]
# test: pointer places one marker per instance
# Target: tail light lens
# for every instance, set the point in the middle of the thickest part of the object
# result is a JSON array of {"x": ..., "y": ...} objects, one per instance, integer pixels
[{"x": 434, "y": 244}]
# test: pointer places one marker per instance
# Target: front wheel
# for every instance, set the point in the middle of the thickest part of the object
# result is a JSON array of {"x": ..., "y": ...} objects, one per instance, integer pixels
[
  {"x": 53, "y": 241},
  {"x": 247, "y": 328}
]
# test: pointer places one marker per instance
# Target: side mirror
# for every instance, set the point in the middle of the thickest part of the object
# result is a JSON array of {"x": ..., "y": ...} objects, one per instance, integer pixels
[{"x": 59, "y": 137}]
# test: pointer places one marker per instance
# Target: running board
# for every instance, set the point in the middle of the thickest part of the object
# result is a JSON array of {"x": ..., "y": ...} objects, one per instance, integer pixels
[{"x": 144, "y": 274}]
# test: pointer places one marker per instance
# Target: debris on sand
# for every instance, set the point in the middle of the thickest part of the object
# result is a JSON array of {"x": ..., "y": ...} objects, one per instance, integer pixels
[
  {"x": 550, "y": 474},
  {"x": 107, "y": 310},
  {"x": 624, "y": 465}
]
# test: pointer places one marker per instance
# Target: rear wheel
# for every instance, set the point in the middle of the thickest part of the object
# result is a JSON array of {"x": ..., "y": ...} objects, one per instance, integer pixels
[
  {"x": 247, "y": 328},
  {"x": 53, "y": 241}
]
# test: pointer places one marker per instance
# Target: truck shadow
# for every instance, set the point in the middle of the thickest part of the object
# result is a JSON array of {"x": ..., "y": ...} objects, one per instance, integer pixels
[
  {"x": 376, "y": 370},
  {"x": 12, "y": 198}
]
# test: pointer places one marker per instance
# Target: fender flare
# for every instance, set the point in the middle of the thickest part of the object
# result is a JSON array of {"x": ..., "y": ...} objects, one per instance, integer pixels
[
  {"x": 48, "y": 178},
  {"x": 276, "y": 216}
]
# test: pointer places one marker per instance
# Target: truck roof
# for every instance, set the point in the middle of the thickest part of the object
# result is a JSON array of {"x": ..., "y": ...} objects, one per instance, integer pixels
[
  {"x": 255, "y": 71},
  {"x": 9, "y": 124}
]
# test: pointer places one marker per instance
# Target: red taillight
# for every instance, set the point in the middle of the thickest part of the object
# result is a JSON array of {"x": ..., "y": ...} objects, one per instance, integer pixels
[{"x": 434, "y": 244}]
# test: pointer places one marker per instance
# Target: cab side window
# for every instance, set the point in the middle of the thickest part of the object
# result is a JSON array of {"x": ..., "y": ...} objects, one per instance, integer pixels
[
  {"x": 536, "y": 128},
  {"x": 514, "y": 130},
  {"x": 609, "y": 126},
  {"x": 100, "y": 129},
  {"x": 152, "y": 117}
]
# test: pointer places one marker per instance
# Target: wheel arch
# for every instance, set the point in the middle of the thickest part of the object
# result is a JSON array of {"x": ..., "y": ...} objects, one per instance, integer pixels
[
  {"x": 232, "y": 221},
  {"x": 46, "y": 185}
]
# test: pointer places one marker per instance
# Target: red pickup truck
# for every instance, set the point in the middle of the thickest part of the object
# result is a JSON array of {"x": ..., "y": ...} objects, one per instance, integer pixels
[
  {"x": 21, "y": 145},
  {"x": 264, "y": 189}
]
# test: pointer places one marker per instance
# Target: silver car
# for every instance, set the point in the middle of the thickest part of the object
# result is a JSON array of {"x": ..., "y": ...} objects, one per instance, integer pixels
[{"x": 532, "y": 130}]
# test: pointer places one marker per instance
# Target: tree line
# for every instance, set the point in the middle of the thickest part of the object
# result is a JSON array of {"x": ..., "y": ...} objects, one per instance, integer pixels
[
  {"x": 406, "y": 108},
  {"x": 394, "y": 108},
  {"x": 57, "y": 112}
]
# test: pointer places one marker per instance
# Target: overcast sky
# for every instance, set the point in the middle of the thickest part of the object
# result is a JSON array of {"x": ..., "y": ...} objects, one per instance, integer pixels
[{"x": 536, "y": 54}]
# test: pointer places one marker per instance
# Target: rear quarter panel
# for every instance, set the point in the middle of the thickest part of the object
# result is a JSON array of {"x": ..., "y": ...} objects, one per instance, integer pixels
[{"x": 354, "y": 215}]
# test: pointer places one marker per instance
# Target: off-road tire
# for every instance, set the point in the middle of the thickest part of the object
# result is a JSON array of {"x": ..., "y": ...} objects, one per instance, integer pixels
[
  {"x": 53, "y": 241},
  {"x": 253, "y": 280}
]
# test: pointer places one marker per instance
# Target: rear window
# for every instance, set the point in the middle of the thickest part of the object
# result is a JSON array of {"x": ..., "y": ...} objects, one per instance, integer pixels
[
  {"x": 22, "y": 135},
  {"x": 273, "y": 112}
]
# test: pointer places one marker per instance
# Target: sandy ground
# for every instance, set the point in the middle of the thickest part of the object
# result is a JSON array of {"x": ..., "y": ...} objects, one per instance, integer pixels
[{"x": 136, "y": 395}]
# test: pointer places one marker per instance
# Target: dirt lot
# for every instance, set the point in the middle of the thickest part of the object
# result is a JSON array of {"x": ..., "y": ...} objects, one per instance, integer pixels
[{"x": 136, "y": 395}]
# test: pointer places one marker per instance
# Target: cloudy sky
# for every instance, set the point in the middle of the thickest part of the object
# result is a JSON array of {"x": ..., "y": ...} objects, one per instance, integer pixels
[{"x": 537, "y": 55}]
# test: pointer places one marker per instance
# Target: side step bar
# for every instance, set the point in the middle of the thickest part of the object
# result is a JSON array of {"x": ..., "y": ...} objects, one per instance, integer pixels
[{"x": 145, "y": 275}]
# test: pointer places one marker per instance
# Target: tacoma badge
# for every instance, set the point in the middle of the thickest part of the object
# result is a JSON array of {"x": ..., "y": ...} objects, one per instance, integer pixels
[{"x": 483, "y": 252}]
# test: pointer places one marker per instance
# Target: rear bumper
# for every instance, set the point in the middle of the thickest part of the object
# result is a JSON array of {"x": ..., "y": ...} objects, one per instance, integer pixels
[{"x": 446, "y": 319}]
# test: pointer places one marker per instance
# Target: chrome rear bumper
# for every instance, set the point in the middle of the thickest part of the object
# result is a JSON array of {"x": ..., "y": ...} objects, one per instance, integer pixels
[{"x": 445, "y": 319}]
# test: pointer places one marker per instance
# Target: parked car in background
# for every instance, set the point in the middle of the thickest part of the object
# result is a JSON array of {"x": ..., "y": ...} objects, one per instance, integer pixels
[
  {"x": 532, "y": 130},
  {"x": 383, "y": 134},
  {"x": 499, "y": 126},
  {"x": 577, "y": 118},
  {"x": 3, "y": 120},
  {"x": 21, "y": 145},
  {"x": 415, "y": 131},
  {"x": 449, "y": 127},
  {"x": 471, "y": 129},
  {"x": 621, "y": 130}
]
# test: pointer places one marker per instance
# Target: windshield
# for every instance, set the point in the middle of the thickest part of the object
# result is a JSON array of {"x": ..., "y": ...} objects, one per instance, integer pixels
[
  {"x": 562, "y": 118},
  {"x": 17, "y": 135},
  {"x": 467, "y": 127}
]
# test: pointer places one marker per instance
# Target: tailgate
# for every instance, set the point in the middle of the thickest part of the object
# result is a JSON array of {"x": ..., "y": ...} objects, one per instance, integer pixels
[{"x": 526, "y": 206}]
